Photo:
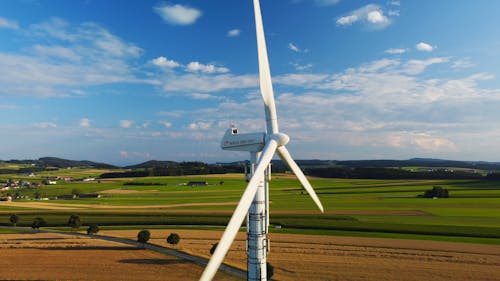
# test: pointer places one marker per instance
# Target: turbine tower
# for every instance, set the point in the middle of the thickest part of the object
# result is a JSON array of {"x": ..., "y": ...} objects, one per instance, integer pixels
[{"x": 254, "y": 203}]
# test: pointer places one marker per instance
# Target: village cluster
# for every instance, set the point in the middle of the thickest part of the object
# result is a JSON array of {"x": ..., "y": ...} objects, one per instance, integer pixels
[{"x": 12, "y": 187}]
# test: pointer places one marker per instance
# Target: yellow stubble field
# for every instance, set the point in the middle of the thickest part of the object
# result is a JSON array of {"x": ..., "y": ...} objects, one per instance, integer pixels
[
  {"x": 46, "y": 256},
  {"x": 314, "y": 257}
]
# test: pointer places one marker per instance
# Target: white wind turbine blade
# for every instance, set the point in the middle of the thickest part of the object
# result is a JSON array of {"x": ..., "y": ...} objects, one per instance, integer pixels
[
  {"x": 287, "y": 158},
  {"x": 240, "y": 212},
  {"x": 266, "y": 86}
]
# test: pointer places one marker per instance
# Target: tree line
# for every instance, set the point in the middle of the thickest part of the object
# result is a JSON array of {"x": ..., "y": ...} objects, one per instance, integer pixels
[
  {"x": 200, "y": 168},
  {"x": 391, "y": 173},
  {"x": 180, "y": 169}
]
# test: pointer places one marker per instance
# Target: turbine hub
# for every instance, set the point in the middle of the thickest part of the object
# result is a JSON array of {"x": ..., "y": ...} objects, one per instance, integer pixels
[{"x": 280, "y": 138}]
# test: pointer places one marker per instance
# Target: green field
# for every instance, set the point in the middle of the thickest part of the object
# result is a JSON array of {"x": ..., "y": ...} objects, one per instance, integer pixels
[{"x": 358, "y": 207}]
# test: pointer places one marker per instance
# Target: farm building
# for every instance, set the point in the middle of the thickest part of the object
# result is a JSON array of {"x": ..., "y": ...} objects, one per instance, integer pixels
[
  {"x": 197, "y": 183},
  {"x": 81, "y": 196},
  {"x": 90, "y": 195},
  {"x": 66, "y": 197}
]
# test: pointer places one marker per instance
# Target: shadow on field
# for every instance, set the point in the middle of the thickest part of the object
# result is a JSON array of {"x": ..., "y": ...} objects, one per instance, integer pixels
[{"x": 154, "y": 261}]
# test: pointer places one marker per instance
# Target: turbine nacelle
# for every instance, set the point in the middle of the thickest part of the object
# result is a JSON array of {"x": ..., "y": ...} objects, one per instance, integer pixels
[{"x": 251, "y": 142}]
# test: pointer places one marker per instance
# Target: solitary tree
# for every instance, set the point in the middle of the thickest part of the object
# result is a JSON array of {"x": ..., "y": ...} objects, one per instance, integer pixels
[
  {"x": 75, "y": 192},
  {"x": 143, "y": 236},
  {"x": 37, "y": 223},
  {"x": 74, "y": 221},
  {"x": 14, "y": 219},
  {"x": 173, "y": 239},
  {"x": 437, "y": 191},
  {"x": 93, "y": 229},
  {"x": 269, "y": 270},
  {"x": 214, "y": 246}
]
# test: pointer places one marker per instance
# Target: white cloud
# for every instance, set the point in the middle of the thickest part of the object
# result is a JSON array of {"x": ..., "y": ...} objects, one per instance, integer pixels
[
  {"x": 326, "y": 2},
  {"x": 9, "y": 24},
  {"x": 205, "y": 68},
  {"x": 193, "y": 66},
  {"x": 8, "y": 106},
  {"x": 56, "y": 52},
  {"x": 394, "y": 3},
  {"x": 109, "y": 43},
  {"x": 302, "y": 67},
  {"x": 135, "y": 155},
  {"x": 206, "y": 84},
  {"x": 196, "y": 126},
  {"x": 201, "y": 96},
  {"x": 233, "y": 33},
  {"x": 146, "y": 124},
  {"x": 173, "y": 113},
  {"x": 178, "y": 14},
  {"x": 46, "y": 125},
  {"x": 55, "y": 28},
  {"x": 126, "y": 124},
  {"x": 347, "y": 20},
  {"x": 414, "y": 67},
  {"x": 79, "y": 56},
  {"x": 430, "y": 143},
  {"x": 381, "y": 108},
  {"x": 85, "y": 123},
  {"x": 463, "y": 63},
  {"x": 164, "y": 62},
  {"x": 377, "y": 17},
  {"x": 396, "y": 51},
  {"x": 166, "y": 124},
  {"x": 425, "y": 47},
  {"x": 393, "y": 13},
  {"x": 293, "y": 47},
  {"x": 423, "y": 141},
  {"x": 301, "y": 80},
  {"x": 91, "y": 33},
  {"x": 372, "y": 15}
]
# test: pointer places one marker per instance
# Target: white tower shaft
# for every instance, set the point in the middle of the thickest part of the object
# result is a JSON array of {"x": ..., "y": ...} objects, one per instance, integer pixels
[{"x": 257, "y": 230}]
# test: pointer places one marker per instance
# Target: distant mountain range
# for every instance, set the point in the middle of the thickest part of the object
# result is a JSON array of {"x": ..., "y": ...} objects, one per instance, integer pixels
[{"x": 425, "y": 162}]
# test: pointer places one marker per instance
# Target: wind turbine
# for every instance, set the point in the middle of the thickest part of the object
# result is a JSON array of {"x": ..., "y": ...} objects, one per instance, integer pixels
[{"x": 254, "y": 203}]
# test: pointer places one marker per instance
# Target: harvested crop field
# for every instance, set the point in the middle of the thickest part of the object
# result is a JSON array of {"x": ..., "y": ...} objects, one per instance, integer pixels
[
  {"x": 44, "y": 256},
  {"x": 126, "y": 191},
  {"x": 307, "y": 257}
]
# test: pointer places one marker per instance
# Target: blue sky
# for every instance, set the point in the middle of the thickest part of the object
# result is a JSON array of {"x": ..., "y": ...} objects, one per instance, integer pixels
[{"x": 129, "y": 81}]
